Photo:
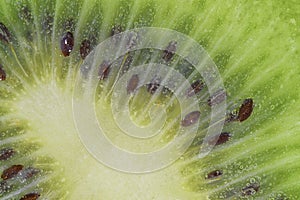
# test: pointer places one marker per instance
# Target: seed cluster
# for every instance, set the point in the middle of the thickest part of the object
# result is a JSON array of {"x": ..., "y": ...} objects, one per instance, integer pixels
[
  {"x": 244, "y": 113},
  {"x": 16, "y": 174},
  {"x": 67, "y": 44}
]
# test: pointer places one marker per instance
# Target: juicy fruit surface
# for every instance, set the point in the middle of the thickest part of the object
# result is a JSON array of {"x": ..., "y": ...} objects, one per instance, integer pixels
[{"x": 255, "y": 46}]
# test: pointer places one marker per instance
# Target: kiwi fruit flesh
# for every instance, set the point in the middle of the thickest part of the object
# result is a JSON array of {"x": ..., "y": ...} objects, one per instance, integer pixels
[{"x": 255, "y": 46}]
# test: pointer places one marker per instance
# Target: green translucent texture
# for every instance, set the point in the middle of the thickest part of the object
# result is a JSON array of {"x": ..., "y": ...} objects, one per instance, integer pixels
[{"x": 255, "y": 45}]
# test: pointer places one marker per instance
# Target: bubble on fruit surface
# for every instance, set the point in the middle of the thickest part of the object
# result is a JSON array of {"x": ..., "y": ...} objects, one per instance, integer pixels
[{"x": 114, "y": 133}]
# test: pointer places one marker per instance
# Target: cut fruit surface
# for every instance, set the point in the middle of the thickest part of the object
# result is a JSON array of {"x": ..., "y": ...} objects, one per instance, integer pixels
[{"x": 255, "y": 47}]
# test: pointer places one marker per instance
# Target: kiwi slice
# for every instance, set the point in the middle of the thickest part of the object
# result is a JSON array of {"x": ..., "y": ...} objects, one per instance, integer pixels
[{"x": 44, "y": 46}]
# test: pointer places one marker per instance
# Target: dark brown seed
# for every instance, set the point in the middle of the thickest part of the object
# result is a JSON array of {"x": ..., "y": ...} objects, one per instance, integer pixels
[
  {"x": 2, "y": 74},
  {"x": 67, "y": 44},
  {"x": 250, "y": 190},
  {"x": 214, "y": 174},
  {"x": 85, "y": 48},
  {"x": 224, "y": 137},
  {"x": 169, "y": 52},
  {"x": 31, "y": 196},
  {"x": 245, "y": 110},
  {"x": 132, "y": 83},
  {"x": 154, "y": 85},
  {"x": 6, "y": 153},
  {"x": 11, "y": 171},
  {"x": 217, "y": 98},
  {"x": 5, "y": 35},
  {"x": 104, "y": 70},
  {"x": 190, "y": 118},
  {"x": 196, "y": 87},
  {"x": 221, "y": 139}
]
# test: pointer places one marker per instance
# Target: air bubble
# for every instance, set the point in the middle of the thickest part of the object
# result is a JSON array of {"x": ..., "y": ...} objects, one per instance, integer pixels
[
  {"x": 272, "y": 107},
  {"x": 252, "y": 180}
]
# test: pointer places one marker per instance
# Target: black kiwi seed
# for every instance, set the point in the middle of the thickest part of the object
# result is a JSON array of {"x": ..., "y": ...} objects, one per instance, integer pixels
[
  {"x": 217, "y": 98},
  {"x": 85, "y": 48},
  {"x": 245, "y": 110},
  {"x": 6, "y": 153},
  {"x": 154, "y": 85},
  {"x": 2, "y": 74},
  {"x": 196, "y": 87},
  {"x": 170, "y": 50},
  {"x": 31, "y": 196},
  {"x": 5, "y": 35},
  {"x": 190, "y": 118},
  {"x": 67, "y": 44},
  {"x": 214, "y": 174},
  {"x": 132, "y": 84},
  {"x": 221, "y": 139},
  {"x": 250, "y": 190},
  {"x": 104, "y": 70},
  {"x": 11, "y": 171}
]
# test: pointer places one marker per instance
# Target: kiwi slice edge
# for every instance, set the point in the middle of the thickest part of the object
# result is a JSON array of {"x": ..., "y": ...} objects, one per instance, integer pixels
[{"x": 254, "y": 46}]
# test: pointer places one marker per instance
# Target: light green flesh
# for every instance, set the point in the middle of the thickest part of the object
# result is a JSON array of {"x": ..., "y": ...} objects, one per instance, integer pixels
[{"x": 255, "y": 46}]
